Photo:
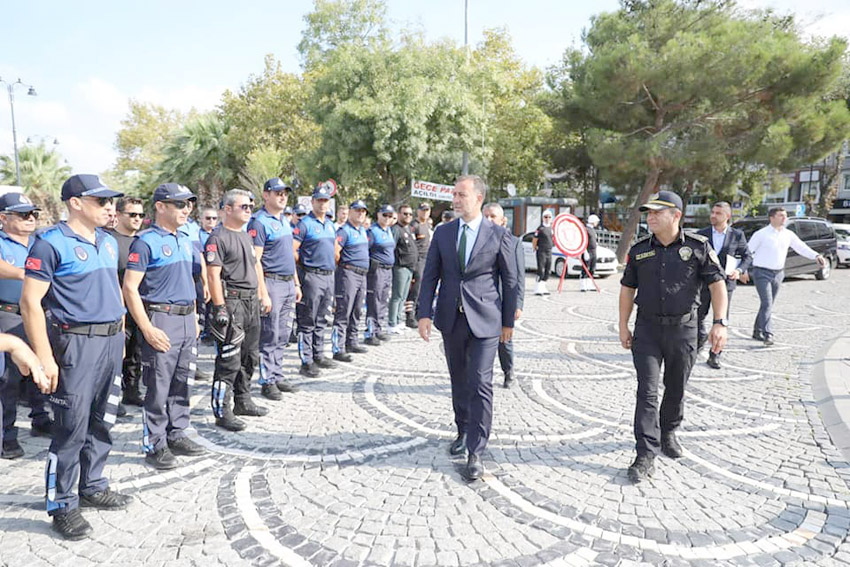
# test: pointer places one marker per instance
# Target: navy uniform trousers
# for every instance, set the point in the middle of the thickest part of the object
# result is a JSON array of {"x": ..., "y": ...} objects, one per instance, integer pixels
[
  {"x": 349, "y": 293},
  {"x": 84, "y": 407},
  {"x": 275, "y": 327},
  {"x": 379, "y": 282},
  {"x": 168, "y": 377},
  {"x": 317, "y": 293},
  {"x": 470, "y": 361},
  {"x": 238, "y": 355},
  {"x": 652, "y": 345},
  {"x": 14, "y": 384}
]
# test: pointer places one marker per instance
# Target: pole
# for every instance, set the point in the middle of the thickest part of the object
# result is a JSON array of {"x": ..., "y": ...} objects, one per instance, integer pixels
[
  {"x": 464, "y": 168},
  {"x": 14, "y": 134}
]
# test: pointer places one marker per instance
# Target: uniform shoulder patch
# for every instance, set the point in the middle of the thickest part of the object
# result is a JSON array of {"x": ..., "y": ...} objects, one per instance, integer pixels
[
  {"x": 696, "y": 236},
  {"x": 33, "y": 263},
  {"x": 643, "y": 238}
]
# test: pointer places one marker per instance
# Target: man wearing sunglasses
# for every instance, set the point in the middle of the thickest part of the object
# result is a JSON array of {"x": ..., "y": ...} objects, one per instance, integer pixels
[
  {"x": 19, "y": 218},
  {"x": 379, "y": 281},
  {"x": 238, "y": 292},
  {"x": 272, "y": 237},
  {"x": 73, "y": 269},
  {"x": 160, "y": 295},
  {"x": 129, "y": 214}
]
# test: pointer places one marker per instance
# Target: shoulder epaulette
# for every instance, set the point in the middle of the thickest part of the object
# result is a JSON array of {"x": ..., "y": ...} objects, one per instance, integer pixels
[{"x": 696, "y": 236}]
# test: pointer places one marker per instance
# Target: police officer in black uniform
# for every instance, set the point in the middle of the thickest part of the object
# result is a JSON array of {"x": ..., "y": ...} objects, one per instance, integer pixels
[
  {"x": 543, "y": 242},
  {"x": 667, "y": 271},
  {"x": 236, "y": 281}
]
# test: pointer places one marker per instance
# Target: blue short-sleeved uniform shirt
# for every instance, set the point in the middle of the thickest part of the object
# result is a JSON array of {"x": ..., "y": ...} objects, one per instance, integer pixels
[
  {"x": 14, "y": 253},
  {"x": 166, "y": 260},
  {"x": 204, "y": 235},
  {"x": 381, "y": 245},
  {"x": 354, "y": 244},
  {"x": 193, "y": 230},
  {"x": 275, "y": 236},
  {"x": 83, "y": 276},
  {"x": 317, "y": 242}
]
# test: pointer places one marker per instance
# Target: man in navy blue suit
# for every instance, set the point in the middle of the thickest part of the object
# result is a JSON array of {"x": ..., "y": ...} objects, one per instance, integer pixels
[
  {"x": 472, "y": 259},
  {"x": 731, "y": 247}
]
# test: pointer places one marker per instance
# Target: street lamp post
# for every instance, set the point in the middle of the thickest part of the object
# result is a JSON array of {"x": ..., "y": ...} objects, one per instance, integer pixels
[{"x": 31, "y": 92}]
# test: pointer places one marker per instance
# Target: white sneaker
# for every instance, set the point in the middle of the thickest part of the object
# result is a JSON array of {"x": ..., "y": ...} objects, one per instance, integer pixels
[
  {"x": 541, "y": 289},
  {"x": 394, "y": 330}
]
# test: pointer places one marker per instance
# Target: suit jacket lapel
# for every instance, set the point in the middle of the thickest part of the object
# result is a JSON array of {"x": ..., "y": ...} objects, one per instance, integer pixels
[
  {"x": 483, "y": 234},
  {"x": 454, "y": 226}
]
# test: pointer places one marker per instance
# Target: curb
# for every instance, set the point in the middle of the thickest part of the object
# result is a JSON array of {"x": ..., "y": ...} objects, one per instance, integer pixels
[{"x": 831, "y": 390}]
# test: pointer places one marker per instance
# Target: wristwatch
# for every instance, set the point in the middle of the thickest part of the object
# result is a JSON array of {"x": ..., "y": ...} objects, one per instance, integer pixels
[{"x": 723, "y": 322}]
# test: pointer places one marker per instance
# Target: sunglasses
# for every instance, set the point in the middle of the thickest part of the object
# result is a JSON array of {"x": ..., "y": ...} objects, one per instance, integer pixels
[
  {"x": 387, "y": 215},
  {"x": 26, "y": 215},
  {"x": 101, "y": 201},
  {"x": 407, "y": 214},
  {"x": 135, "y": 215},
  {"x": 210, "y": 218},
  {"x": 247, "y": 207},
  {"x": 177, "y": 204}
]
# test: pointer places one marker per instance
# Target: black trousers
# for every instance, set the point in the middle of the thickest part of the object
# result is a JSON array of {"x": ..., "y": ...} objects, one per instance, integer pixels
[
  {"x": 652, "y": 345},
  {"x": 705, "y": 309},
  {"x": 131, "y": 366},
  {"x": 238, "y": 355},
  {"x": 413, "y": 296},
  {"x": 544, "y": 264}
]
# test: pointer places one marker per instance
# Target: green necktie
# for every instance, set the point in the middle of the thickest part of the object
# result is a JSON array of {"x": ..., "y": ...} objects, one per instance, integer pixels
[{"x": 461, "y": 248}]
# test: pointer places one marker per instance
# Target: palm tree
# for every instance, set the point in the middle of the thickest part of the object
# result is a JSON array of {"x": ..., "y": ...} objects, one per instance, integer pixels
[
  {"x": 42, "y": 175},
  {"x": 199, "y": 157}
]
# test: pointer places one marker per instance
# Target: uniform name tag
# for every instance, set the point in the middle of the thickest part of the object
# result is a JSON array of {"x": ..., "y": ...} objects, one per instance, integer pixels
[{"x": 643, "y": 255}]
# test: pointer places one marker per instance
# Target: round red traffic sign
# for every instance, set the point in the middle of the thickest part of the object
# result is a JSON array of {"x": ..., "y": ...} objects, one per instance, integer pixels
[{"x": 569, "y": 234}]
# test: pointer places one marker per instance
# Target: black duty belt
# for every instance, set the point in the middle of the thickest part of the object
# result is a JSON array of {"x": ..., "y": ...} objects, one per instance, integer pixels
[
  {"x": 385, "y": 266},
  {"x": 355, "y": 269},
  {"x": 280, "y": 277},
  {"x": 318, "y": 271},
  {"x": 10, "y": 307},
  {"x": 668, "y": 320},
  {"x": 170, "y": 308},
  {"x": 240, "y": 294},
  {"x": 91, "y": 330}
]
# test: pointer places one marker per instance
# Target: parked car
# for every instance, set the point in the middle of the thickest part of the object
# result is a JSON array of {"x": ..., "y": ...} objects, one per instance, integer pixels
[
  {"x": 817, "y": 233},
  {"x": 606, "y": 260},
  {"x": 842, "y": 233}
]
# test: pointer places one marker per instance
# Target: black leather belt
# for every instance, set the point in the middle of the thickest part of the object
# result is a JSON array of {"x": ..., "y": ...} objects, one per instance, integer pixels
[
  {"x": 385, "y": 266},
  {"x": 10, "y": 307},
  {"x": 170, "y": 308},
  {"x": 280, "y": 277},
  {"x": 318, "y": 271},
  {"x": 92, "y": 329},
  {"x": 240, "y": 294},
  {"x": 668, "y": 320},
  {"x": 355, "y": 269}
]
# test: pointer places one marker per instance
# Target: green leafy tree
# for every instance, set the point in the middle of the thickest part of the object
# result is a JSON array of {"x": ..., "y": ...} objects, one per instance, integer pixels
[
  {"x": 682, "y": 93},
  {"x": 262, "y": 163},
  {"x": 43, "y": 172},
  {"x": 336, "y": 23}
]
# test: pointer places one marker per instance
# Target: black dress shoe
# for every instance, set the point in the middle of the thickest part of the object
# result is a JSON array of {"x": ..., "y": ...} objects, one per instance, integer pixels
[
  {"x": 382, "y": 336},
  {"x": 670, "y": 445},
  {"x": 12, "y": 449},
  {"x": 458, "y": 446},
  {"x": 474, "y": 468},
  {"x": 758, "y": 335},
  {"x": 509, "y": 379},
  {"x": 642, "y": 469},
  {"x": 285, "y": 387},
  {"x": 357, "y": 349},
  {"x": 343, "y": 357},
  {"x": 310, "y": 371},
  {"x": 270, "y": 391},
  {"x": 230, "y": 422},
  {"x": 106, "y": 500},
  {"x": 71, "y": 526},
  {"x": 42, "y": 429},
  {"x": 162, "y": 460},
  {"x": 768, "y": 340},
  {"x": 132, "y": 397},
  {"x": 185, "y": 446},
  {"x": 713, "y": 360},
  {"x": 411, "y": 323},
  {"x": 373, "y": 341},
  {"x": 324, "y": 362},
  {"x": 246, "y": 406}
]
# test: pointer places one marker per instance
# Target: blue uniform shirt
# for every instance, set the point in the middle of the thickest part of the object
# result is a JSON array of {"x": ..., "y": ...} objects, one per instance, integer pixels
[
  {"x": 275, "y": 236},
  {"x": 14, "y": 253},
  {"x": 193, "y": 230},
  {"x": 204, "y": 236},
  {"x": 317, "y": 239},
  {"x": 166, "y": 261},
  {"x": 83, "y": 276},
  {"x": 355, "y": 246},
  {"x": 381, "y": 245}
]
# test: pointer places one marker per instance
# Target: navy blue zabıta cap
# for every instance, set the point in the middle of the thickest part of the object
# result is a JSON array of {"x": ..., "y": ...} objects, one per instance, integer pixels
[
  {"x": 322, "y": 192},
  {"x": 287, "y": 210},
  {"x": 386, "y": 209},
  {"x": 663, "y": 200},
  {"x": 300, "y": 209},
  {"x": 425, "y": 206},
  {"x": 276, "y": 184},
  {"x": 358, "y": 204},
  {"x": 448, "y": 214},
  {"x": 173, "y": 192},
  {"x": 15, "y": 202},
  {"x": 86, "y": 185}
]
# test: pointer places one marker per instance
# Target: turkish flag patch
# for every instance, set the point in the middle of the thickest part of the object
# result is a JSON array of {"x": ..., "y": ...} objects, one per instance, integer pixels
[
  {"x": 252, "y": 233},
  {"x": 212, "y": 247},
  {"x": 339, "y": 239},
  {"x": 133, "y": 257},
  {"x": 296, "y": 230},
  {"x": 33, "y": 264}
]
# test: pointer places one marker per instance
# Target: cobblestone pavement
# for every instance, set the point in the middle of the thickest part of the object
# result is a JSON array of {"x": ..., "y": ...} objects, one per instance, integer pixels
[{"x": 353, "y": 470}]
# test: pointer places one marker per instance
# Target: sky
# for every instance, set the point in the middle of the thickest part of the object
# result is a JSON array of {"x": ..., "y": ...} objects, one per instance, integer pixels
[{"x": 87, "y": 59}]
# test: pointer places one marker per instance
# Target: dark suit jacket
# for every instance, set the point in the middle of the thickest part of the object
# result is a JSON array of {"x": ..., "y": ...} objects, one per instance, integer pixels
[
  {"x": 734, "y": 245},
  {"x": 520, "y": 271},
  {"x": 492, "y": 266}
]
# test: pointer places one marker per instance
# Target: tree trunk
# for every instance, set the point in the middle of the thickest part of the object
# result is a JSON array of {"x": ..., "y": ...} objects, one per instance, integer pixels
[
  {"x": 634, "y": 217},
  {"x": 830, "y": 189}
]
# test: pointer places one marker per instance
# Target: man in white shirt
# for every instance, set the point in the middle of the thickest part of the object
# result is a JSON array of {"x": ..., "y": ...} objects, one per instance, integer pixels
[{"x": 770, "y": 247}]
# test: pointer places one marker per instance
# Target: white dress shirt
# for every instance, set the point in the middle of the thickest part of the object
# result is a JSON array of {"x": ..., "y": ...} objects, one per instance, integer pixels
[
  {"x": 718, "y": 238},
  {"x": 471, "y": 234},
  {"x": 770, "y": 247}
]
